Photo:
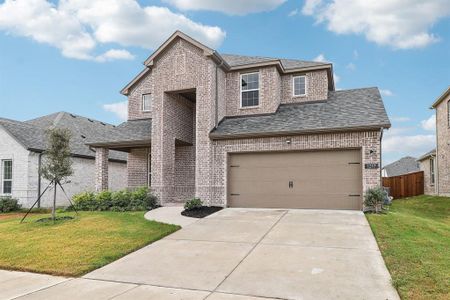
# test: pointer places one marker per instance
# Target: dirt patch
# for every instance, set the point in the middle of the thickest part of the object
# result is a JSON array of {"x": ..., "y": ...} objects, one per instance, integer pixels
[
  {"x": 10, "y": 216},
  {"x": 201, "y": 212}
]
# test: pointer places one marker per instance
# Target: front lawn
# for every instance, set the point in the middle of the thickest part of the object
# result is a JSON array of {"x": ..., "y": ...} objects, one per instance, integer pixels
[
  {"x": 74, "y": 247},
  {"x": 414, "y": 238}
]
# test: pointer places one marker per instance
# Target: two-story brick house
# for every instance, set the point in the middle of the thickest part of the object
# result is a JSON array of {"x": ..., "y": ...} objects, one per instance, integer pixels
[
  {"x": 246, "y": 131},
  {"x": 436, "y": 163}
]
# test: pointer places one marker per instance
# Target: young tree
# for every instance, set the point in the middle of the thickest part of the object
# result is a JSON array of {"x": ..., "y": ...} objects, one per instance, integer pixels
[{"x": 57, "y": 165}]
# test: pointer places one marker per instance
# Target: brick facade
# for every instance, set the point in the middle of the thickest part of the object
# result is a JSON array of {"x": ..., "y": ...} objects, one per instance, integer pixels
[
  {"x": 429, "y": 187},
  {"x": 443, "y": 147},
  {"x": 137, "y": 167},
  {"x": 101, "y": 169},
  {"x": 316, "y": 87},
  {"x": 185, "y": 162}
]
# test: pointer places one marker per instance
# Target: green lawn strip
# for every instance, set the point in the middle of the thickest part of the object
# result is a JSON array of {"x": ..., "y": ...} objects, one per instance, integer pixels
[
  {"x": 414, "y": 238},
  {"x": 75, "y": 247}
]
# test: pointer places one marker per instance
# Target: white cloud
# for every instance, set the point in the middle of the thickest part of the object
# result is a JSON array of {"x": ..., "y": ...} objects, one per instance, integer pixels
[
  {"x": 400, "y": 119},
  {"x": 386, "y": 92},
  {"x": 120, "y": 109},
  {"x": 293, "y": 13},
  {"x": 114, "y": 54},
  {"x": 227, "y": 7},
  {"x": 355, "y": 54},
  {"x": 401, "y": 24},
  {"x": 310, "y": 6},
  {"x": 351, "y": 66},
  {"x": 336, "y": 78},
  {"x": 320, "y": 58},
  {"x": 77, "y": 27},
  {"x": 413, "y": 145},
  {"x": 429, "y": 124}
]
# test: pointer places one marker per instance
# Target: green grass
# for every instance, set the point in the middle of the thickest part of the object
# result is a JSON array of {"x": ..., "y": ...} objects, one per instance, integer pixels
[
  {"x": 414, "y": 238},
  {"x": 74, "y": 247}
]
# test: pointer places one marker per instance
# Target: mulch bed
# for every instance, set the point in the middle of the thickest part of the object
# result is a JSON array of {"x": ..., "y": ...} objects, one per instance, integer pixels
[
  {"x": 64, "y": 218},
  {"x": 201, "y": 212}
]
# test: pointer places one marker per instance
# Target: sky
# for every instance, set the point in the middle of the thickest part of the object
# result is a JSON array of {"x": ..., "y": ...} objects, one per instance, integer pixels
[{"x": 76, "y": 55}]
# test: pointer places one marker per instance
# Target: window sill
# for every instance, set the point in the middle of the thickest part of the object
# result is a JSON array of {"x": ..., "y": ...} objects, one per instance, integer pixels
[
  {"x": 250, "y": 107},
  {"x": 300, "y": 96}
]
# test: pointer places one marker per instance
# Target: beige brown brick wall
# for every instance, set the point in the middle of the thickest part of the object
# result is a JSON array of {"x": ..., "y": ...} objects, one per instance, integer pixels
[
  {"x": 101, "y": 169},
  {"x": 316, "y": 87},
  {"x": 429, "y": 188},
  {"x": 144, "y": 86},
  {"x": 137, "y": 167},
  {"x": 184, "y": 173},
  {"x": 197, "y": 72},
  {"x": 269, "y": 92},
  {"x": 443, "y": 147}
]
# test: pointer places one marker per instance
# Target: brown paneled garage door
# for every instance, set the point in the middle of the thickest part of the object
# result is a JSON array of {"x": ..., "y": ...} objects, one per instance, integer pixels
[{"x": 319, "y": 179}]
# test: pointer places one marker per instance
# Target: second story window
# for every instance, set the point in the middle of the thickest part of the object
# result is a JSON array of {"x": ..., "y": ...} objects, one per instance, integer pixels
[
  {"x": 147, "y": 102},
  {"x": 250, "y": 89},
  {"x": 299, "y": 85}
]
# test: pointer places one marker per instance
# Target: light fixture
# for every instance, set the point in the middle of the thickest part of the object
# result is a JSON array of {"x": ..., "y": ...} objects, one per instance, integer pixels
[{"x": 288, "y": 141}]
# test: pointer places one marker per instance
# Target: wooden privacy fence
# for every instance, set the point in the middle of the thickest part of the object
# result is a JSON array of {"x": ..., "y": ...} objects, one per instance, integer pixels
[{"x": 407, "y": 185}]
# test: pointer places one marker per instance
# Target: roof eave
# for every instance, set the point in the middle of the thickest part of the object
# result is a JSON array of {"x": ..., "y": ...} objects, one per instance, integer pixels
[
  {"x": 441, "y": 98},
  {"x": 134, "y": 143},
  {"x": 218, "y": 136}
]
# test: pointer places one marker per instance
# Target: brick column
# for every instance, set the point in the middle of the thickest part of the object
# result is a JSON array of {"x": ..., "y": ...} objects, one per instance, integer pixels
[{"x": 101, "y": 169}]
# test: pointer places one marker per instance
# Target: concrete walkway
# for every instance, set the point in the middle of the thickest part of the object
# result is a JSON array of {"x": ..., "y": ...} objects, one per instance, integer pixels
[
  {"x": 170, "y": 215},
  {"x": 241, "y": 254}
]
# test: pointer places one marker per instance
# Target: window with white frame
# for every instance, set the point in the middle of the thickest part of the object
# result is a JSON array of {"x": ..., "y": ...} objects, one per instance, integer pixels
[
  {"x": 6, "y": 176},
  {"x": 432, "y": 170},
  {"x": 299, "y": 85},
  {"x": 250, "y": 89},
  {"x": 147, "y": 102}
]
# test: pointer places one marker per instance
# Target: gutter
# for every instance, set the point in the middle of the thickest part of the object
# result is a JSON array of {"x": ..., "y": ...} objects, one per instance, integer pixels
[{"x": 218, "y": 136}]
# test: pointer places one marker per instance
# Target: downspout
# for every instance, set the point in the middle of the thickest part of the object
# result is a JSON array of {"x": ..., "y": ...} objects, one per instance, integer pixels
[
  {"x": 39, "y": 177},
  {"x": 436, "y": 166}
]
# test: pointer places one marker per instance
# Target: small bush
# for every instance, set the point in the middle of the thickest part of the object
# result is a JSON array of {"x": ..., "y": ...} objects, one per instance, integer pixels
[
  {"x": 193, "y": 204},
  {"x": 374, "y": 198},
  {"x": 104, "y": 200},
  {"x": 8, "y": 204},
  {"x": 123, "y": 200},
  {"x": 85, "y": 201}
]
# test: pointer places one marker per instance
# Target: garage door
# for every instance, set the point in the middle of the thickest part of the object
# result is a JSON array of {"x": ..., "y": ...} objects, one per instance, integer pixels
[{"x": 320, "y": 179}]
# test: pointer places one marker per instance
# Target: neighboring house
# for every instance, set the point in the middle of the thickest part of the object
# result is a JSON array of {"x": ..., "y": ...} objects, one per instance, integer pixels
[
  {"x": 442, "y": 157},
  {"x": 427, "y": 164},
  {"x": 244, "y": 131},
  {"x": 402, "y": 166},
  {"x": 21, "y": 147}
]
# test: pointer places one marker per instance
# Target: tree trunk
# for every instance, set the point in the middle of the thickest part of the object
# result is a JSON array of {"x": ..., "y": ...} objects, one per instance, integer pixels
[{"x": 54, "y": 202}]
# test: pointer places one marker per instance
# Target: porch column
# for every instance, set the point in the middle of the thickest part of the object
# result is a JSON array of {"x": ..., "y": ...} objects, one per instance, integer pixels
[{"x": 101, "y": 169}]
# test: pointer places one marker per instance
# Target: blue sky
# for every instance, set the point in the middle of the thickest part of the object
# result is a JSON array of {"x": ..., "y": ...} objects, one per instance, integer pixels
[{"x": 75, "y": 55}]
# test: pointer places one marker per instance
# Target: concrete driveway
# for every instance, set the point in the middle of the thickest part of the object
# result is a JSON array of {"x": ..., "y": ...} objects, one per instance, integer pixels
[
  {"x": 287, "y": 254},
  {"x": 247, "y": 254}
]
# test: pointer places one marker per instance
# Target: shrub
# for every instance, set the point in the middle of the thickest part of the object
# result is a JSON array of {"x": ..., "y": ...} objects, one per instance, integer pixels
[
  {"x": 104, "y": 200},
  {"x": 193, "y": 204},
  {"x": 374, "y": 198},
  {"x": 123, "y": 200},
  {"x": 142, "y": 199},
  {"x": 8, "y": 204},
  {"x": 120, "y": 200},
  {"x": 85, "y": 201}
]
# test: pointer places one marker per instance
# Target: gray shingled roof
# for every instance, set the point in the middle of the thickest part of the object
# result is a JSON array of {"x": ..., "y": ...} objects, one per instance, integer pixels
[
  {"x": 234, "y": 60},
  {"x": 428, "y": 154},
  {"x": 343, "y": 110},
  {"x": 131, "y": 131},
  {"x": 402, "y": 166},
  {"x": 32, "y": 134}
]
